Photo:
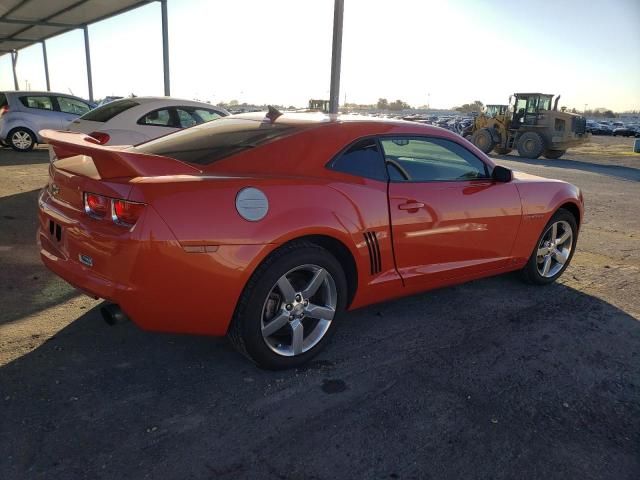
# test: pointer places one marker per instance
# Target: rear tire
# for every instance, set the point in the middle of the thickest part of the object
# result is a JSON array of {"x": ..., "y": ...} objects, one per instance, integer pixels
[
  {"x": 553, "y": 154},
  {"x": 553, "y": 252},
  {"x": 277, "y": 327},
  {"x": 502, "y": 151},
  {"x": 483, "y": 140},
  {"x": 530, "y": 145},
  {"x": 21, "y": 139}
]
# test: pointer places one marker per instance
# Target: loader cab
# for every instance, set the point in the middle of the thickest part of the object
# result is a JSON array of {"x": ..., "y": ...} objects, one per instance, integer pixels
[
  {"x": 319, "y": 105},
  {"x": 527, "y": 108},
  {"x": 493, "y": 111}
]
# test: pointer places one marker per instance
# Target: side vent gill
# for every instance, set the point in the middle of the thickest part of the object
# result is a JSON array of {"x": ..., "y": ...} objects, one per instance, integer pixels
[{"x": 374, "y": 252}]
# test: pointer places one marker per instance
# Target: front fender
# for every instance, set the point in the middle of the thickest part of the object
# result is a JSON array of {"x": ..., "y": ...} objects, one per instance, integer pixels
[{"x": 540, "y": 200}]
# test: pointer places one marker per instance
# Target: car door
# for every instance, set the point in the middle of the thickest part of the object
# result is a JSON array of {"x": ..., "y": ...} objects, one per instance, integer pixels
[
  {"x": 158, "y": 122},
  {"x": 40, "y": 112},
  {"x": 69, "y": 109},
  {"x": 449, "y": 219}
]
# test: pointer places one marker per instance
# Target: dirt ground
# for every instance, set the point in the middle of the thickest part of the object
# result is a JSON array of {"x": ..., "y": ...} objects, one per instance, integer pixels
[{"x": 491, "y": 379}]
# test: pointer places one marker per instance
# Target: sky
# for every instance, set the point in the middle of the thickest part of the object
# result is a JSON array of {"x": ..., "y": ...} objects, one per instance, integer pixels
[{"x": 435, "y": 52}]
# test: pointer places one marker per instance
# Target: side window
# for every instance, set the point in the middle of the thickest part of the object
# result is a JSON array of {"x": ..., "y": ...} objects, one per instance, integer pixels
[
  {"x": 159, "y": 118},
  {"x": 202, "y": 115},
  {"x": 185, "y": 118},
  {"x": 362, "y": 159},
  {"x": 71, "y": 105},
  {"x": 430, "y": 160},
  {"x": 42, "y": 103}
]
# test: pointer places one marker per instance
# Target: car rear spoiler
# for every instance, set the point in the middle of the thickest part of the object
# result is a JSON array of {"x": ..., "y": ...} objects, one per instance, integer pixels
[{"x": 114, "y": 162}]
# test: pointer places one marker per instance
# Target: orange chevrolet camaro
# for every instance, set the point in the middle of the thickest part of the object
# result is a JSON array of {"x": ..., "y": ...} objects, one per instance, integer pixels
[{"x": 265, "y": 228}]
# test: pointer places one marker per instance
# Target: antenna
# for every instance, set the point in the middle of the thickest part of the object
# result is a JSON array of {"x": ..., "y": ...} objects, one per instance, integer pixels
[{"x": 273, "y": 113}]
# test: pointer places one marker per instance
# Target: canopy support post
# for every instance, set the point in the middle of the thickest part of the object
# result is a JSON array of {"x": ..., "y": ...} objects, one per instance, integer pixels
[
  {"x": 336, "y": 56},
  {"x": 87, "y": 53}
]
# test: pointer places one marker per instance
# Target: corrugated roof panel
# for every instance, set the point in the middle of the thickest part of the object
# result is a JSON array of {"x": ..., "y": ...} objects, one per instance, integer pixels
[
  {"x": 25, "y": 22},
  {"x": 38, "y": 10}
]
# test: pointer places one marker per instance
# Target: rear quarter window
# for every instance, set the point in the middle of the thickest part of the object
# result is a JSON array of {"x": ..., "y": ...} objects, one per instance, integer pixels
[
  {"x": 3, "y": 100},
  {"x": 109, "y": 110},
  {"x": 209, "y": 142},
  {"x": 363, "y": 159},
  {"x": 39, "y": 102}
]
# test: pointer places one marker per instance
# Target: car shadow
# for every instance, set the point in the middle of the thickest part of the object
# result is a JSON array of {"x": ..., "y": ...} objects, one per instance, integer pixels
[
  {"x": 491, "y": 379},
  {"x": 25, "y": 286},
  {"x": 8, "y": 156},
  {"x": 618, "y": 171}
]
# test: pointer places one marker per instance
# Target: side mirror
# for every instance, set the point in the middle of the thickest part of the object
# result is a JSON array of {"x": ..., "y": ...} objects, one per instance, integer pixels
[{"x": 501, "y": 174}]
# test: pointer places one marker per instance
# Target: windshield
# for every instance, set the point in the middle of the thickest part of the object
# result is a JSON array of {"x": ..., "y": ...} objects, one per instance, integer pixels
[
  {"x": 545, "y": 102},
  {"x": 215, "y": 140}
]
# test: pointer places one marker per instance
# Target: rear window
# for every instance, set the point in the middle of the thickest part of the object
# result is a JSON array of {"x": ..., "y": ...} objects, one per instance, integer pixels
[
  {"x": 206, "y": 143},
  {"x": 109, "y": 110}
]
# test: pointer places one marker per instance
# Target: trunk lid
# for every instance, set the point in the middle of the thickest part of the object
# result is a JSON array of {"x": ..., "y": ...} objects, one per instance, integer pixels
[{"x": 79, "y": 165}]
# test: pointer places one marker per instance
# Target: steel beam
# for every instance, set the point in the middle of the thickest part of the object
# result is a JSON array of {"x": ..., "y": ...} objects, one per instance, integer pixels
[
  {"x": 165, "y": 48},
  {"x": 17, "y": 39},
  {"x": 14, "y": 61},
  {"x": 336, "y": 56},
  {"x": 87, "y": 53},
  {"x": 39, "y": 23},
  {"x": 46, "y": 65}
]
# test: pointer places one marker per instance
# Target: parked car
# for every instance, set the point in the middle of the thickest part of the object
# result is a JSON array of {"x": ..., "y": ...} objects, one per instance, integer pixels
[
  {"x": 267, "y": 228},
  {"x": 600, "y": 129},
  {"x": 24, "y": 114},
  {"x": 134, "y": 120},
  {"x": 625, "y": 132}
]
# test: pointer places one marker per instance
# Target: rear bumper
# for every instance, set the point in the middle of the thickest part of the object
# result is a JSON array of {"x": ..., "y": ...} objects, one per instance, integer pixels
[{"x": 145, "y": 270}]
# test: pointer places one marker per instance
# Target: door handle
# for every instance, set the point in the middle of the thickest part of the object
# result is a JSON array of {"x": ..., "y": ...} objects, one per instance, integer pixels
[{"x": 411, "y": 205}]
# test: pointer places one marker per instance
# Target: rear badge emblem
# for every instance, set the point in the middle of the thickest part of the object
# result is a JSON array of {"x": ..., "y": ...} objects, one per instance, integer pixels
[{"x": 86, "y": 260}]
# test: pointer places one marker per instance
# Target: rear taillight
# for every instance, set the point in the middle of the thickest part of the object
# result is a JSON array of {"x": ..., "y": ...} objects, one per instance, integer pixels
[
  {"x": 101, "y": 137},
  {"x": 96, "y": 205},
  {"x": 126, "y": 213},
  {"x": 121, "y": 212},
  {"x": 4, "y": 110}
]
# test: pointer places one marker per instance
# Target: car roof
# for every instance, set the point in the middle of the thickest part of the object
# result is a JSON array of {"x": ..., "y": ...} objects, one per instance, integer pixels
[
  {"x": 142, "y": 100},
  {"x": 36, "y": 92},
  {"x": 310, "y": 118}
]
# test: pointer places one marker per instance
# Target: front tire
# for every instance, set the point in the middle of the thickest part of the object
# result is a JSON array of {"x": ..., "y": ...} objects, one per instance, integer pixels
[
  {"x": 287, "y": 312},
  {"x": 483, "y": 140},
  {"x": 554, "y": 249},
  {"x": 530, "y": 145},
  {"x": 21, "y": 139},
  {"x": 554, "y": 154}
]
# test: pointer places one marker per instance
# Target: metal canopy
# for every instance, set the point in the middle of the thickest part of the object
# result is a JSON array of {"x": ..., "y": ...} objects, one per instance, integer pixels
[{"x": 26, "y": 22}]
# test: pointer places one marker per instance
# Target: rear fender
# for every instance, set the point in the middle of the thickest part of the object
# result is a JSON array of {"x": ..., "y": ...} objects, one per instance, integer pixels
[{"x": 19, "y": 122}]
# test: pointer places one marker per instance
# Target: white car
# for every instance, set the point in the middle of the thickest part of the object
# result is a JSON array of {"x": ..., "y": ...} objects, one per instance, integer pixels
[{"x": 134, "y": 120}]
